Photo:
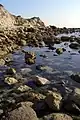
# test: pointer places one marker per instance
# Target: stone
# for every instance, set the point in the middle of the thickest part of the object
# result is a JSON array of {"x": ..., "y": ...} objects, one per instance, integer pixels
[
  {"x": 59, "y": 50},
  {"x": 10, "y": 71},
  {"x": 76, "y": 77},
  {"x": 40, "y": 80},
  {"x": 75, "y": 96},
  {"x": 10, "y": 80},
  {"x": 74, "y": 45},
  {"x": 23, "y": 88},
  {"x": 22, "y": 113},
  {"x": 2, "y": 62},
  {"x": 57, "y": 116},
  {"x": 71, "y": 107},
  {"x": 54, "y": 100},
  {"x": 23, "y": 42},
  {"x": 65, "y": 38},
  {"x": 24, "y": 71}
]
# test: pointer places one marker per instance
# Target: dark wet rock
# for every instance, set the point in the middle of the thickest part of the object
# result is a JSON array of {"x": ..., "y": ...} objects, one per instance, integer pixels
[
  {"x": 22, "y": 113},
  {"x": 10, "y": 71},
  {"x": 76, "y": 77},
  {"x": 53, "y": 100},
  {"x": 57, "y": 116},
  {"x": 74, "y": 46},
  {"x": 55, "y": 55},
  {"x": 76, "y": 117},
  {"x": 64, "y": 49},
  {"x": 44, "y": 56},
  {"x": 65, "y": 38},
  {"x": 59, "y": 50},
  {"x": 75, "y": 96},
  {"x": 71, "y": 107},
  {"x": 79, "y": 51},
  {"x": 51, "y": 47}
]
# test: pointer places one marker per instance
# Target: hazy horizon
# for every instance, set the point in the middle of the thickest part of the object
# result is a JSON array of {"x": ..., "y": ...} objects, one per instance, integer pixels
[{"x": 60, "y": 13}]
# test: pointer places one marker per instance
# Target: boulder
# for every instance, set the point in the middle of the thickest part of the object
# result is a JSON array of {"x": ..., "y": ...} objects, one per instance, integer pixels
[
  {"x": 54, "y": 100},
  {"x": 22, "y": 113},
  {"x": 23, "y": 88}
]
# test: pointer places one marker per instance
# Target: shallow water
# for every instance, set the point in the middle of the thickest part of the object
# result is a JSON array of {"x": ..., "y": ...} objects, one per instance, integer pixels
[{"x": 62, "y": 65}]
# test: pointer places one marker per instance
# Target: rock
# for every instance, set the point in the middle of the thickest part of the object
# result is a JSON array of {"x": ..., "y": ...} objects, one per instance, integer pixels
[
  {"x": 10, "y": 71},
  {"x": 23, "y": 42},
  {"x": 74, "y": 45},
  {"x": 71, "y": 107},
  {"x": 76, "y": 77},
  {"x": 2, "y": 62},
  {"x": 51, "y": 47},
  {"x": 30, "y": 61},
  {"x": 57, "y": 116},
  {"x": 44, "y": 68},
  {"x": 30, "y": 57},
  {"x": 24, "y": 71},
  {"x": 23, "y": 88},
  {"x": 30, "y": 104},
  {"x": 22, "y": 113},
  {"x": 63, "y": 49},
  {"x": 44, "y": 56},
  {"x": 53, "y": 100},
  {"x": 41, "y": 80},
  {"x": 75, "y": 96},
  {"x": 59, "y": 50},
  {"x": 65, "y": 38},
  {"x": 10, "y": 80}
]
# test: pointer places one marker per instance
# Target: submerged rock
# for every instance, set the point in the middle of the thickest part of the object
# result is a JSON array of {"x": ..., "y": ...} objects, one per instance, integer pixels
[{"x": 53, "y": 100}]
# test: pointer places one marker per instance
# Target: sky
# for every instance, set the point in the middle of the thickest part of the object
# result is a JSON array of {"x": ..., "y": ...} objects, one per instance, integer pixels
[{"x": 61, "y": 13}]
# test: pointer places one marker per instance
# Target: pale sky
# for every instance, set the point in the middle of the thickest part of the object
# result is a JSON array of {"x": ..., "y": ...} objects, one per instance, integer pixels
[{"x": 61, "y": 13}]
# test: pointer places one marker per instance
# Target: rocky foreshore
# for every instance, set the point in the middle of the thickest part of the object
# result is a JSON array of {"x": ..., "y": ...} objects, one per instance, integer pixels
[{"x": 32, "y": 97}]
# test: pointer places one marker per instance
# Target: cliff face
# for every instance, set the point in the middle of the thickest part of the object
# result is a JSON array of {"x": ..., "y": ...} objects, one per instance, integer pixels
[{"x": 11, "y": 21}]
